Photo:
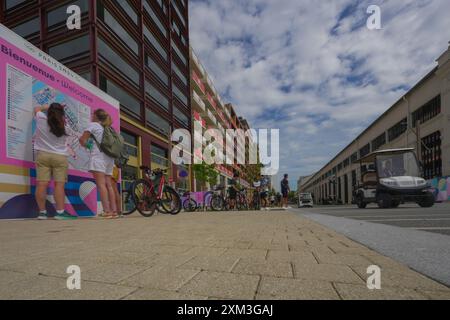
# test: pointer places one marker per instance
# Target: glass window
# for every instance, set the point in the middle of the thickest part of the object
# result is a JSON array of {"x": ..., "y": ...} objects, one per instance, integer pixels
[
  {"x": 157, "y": 122},
  {"x": 126, "y": 100},
  {"x": 178, "y": 52},
  {"x": 180, "y": 74},
  {"x": 397, "y": 130},
  {"x": 117, "y": 61},
  {"x": 155, "y": 18},
  {"x": 107, "y": 18},
  {"x": 427, "y": 112},
  {"x": 59, "y": 15},
  {"x": 180, "y": 95},
  {"x": 159, "y": 157},
  {"x": 12, "y": 3},
  {"x": 86, "y": 76},
  {"x": 184, "y": 119},
  {"x": 128, "y": 9},
  {"x": 28, "y": 28},
  {"x": 71, "y": 49},
  {"x": 379, "y": 142},
  {"x": 162, "y": 5},
  {"x": 155, "y": 43},
  {"x": 156, "y": 95},
  {"x": 131, "y": 143},
  {"x": 177, "y": 10},
  {"x": 155, "y": 68}
]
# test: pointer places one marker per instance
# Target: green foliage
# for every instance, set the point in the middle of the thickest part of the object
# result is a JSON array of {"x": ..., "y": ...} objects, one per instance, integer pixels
[{"x": 205, "y": 173}]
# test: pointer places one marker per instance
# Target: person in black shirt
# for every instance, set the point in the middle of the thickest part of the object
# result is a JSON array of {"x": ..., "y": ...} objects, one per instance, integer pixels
[
  {"x": 285, "y": 189},
  {"x": 233, "y": 190}
]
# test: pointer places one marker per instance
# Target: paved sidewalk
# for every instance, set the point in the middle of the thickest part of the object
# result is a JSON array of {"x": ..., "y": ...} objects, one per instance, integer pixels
[{"x": 263, "y": 255}]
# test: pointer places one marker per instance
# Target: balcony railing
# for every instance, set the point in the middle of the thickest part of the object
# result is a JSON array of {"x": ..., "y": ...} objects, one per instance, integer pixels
[
  {"x": 198, "y": 81},
  {"x": 199, "y": 101}
]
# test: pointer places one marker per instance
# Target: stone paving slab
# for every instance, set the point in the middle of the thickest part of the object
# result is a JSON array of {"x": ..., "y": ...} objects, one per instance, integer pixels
[{"x": 236, "y": 255}]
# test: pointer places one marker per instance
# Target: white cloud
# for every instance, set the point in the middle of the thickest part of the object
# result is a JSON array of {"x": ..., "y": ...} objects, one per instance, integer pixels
[{"x": 286, "y": 63}]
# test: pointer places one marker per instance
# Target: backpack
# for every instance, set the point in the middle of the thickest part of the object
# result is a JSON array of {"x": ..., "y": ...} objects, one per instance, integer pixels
[{"x": 113, "y": 146}]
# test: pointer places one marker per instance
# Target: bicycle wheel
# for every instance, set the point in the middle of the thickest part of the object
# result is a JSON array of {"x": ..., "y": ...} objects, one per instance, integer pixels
[
  {"x": 171, "y": 201},
  {"x": 207, "y": 199},
  {"x": 189, "y": 205},
  {"x": 128, "y": 203},
  {"x": 144, "y": 198},
  {"x": 217, "y": 203}
]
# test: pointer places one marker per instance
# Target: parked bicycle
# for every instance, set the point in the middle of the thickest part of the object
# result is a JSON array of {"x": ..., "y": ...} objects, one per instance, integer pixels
[
  {"x": 151, "y": 193},
  {"x": 190, "y": 205}
]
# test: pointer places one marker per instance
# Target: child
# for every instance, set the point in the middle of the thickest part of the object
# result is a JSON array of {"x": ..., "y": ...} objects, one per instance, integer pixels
[
  {"x": 100, "y": 164},
  {"x": 51, "y": 159}
]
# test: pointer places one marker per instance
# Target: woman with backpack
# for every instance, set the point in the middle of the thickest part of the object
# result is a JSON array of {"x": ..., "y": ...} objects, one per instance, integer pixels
[
  {"x": 52, "y": 158},
  {"x": 101, "y": 165}
]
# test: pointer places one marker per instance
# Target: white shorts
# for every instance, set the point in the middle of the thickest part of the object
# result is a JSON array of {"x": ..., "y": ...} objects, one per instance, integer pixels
[{"x": 100, "y": 162}]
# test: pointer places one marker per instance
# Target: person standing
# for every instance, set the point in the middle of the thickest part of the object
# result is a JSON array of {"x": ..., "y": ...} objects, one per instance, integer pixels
[
  {"x": 100, "y": 164},
  {"x": 51, "y": 159},
  {"x": 285, "y": 189}
]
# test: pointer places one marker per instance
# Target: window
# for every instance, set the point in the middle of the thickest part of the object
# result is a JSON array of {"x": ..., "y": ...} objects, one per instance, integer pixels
[
  {"x": 162, "y": 5},
  {"x": 117, "y": 61},
  {"x": 111, "y": 22},
  {"x": 427, "y": 112},
  {"x": 58, "y": 17},
  {"x": 155, "y": 43},
  {"x": 180, "y": 74},
  {"x": 181, "y": 116},
  {"x": 178, "y": 52},
  {"x": 157, "y": 122},
  {"x": 180, "y": 15},
  {"x": 364, "y": 151},
  {"x": 180, "y": 95},
  {"x": 131, "y": 143},
  {"x": 70, "y": 50},
  {"x": 156, "y": 95},
  {"x": 432, "y": 156},
  {"x": 13, "y": 3},
  {"x": 28, "y": 28},
  {"x": 397, "y": 130},
  {"x": 86, "y": 76},
  {"x": 159, "y": 157},
  {"x": 379, "y": 141},
  {"x": 156, "y": 69},
  {"x": 129, "y": 10},
  {"x": 354, "y": 157},
  {"x": 346, "y": 162},
  {"x": 130, "y": 104},
  {"x": 155, "y": 18}
]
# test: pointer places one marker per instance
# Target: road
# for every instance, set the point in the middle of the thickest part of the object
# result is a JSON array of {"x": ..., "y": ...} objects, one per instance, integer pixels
[
  {"x": 436, "y": 219},
  {"x": 417, "y": 237}
]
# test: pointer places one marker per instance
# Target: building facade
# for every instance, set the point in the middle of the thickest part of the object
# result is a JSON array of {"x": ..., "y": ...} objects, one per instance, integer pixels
[
  {"x": 209, "y": 109},
  {"x": 420, "y": 120},
  {"x": 137, "y": 51}
]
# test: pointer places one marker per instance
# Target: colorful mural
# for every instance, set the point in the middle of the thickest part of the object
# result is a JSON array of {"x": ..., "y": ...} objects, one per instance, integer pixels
[{"x": 441, "y": 188}]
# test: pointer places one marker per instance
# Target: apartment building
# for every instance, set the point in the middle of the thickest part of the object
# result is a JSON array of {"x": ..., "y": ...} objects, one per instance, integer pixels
[{"x": 135, "y": 50}]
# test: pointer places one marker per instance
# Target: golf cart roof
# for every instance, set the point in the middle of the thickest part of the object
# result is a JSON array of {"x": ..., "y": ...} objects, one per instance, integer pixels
[{"x": 370, "y": 158}]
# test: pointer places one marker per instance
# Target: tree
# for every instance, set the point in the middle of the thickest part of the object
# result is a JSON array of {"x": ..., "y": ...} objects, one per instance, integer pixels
[{"x": 205, "y": 173}]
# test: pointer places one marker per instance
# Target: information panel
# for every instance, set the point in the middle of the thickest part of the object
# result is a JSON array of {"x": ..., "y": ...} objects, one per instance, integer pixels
[{"x": 30, "y": 78}]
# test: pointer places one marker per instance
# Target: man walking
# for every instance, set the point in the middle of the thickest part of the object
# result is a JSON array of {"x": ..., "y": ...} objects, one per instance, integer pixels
[{"x": 285, "y": 189}]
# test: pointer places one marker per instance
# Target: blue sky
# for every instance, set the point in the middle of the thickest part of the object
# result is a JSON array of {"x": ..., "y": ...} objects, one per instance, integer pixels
[{"x": 312, "y": 69}]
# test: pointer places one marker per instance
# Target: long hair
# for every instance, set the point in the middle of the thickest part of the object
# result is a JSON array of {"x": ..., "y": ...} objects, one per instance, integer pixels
[
  {"x": 56, "y": 119},
  {"x": 103, "y": 117}
]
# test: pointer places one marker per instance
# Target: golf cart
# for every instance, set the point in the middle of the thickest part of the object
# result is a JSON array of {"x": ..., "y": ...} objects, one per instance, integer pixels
[
  {"x": 305, "y": 200},
  {"x": 392, "y": 177}
]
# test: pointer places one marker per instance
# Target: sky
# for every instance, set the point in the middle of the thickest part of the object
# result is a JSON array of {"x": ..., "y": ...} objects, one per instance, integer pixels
[{"x": 312, "y": 68}]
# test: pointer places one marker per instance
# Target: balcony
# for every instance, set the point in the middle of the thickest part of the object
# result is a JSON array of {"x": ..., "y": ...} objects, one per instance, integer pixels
[
  {"x": 198, "y": 101},
  {"x": 198, "y": 82},
  {"x": 212, "y": 117},
  {"x": 197, "y": 63}
]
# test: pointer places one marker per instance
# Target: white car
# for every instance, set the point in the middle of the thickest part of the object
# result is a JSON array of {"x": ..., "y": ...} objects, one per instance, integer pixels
[{"x": 305, "y": 200}]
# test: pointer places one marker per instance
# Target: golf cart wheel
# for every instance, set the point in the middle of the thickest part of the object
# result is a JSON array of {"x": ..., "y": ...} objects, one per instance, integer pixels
[
  {"x": 395, "y": 203},
  {"x": 428, "y": 201},
  {"x": 384, "y": 201},
  {"x": 360, "y": 202}
]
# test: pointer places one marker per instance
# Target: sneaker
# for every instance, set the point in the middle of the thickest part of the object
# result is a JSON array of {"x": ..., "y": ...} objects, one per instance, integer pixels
[
  {"x": 42, "y": 216},
  {"x": 65, "y": 216}
]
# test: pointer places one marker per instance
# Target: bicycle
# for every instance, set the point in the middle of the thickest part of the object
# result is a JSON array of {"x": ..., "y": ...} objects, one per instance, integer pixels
[
  {"x": 241, "y": 200},
  {"x": 217, "y": 202},
  {"x": 147, "y": 199},
  {"x": 190, "y": 205},
  {"x": 128, "y": 202}
]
